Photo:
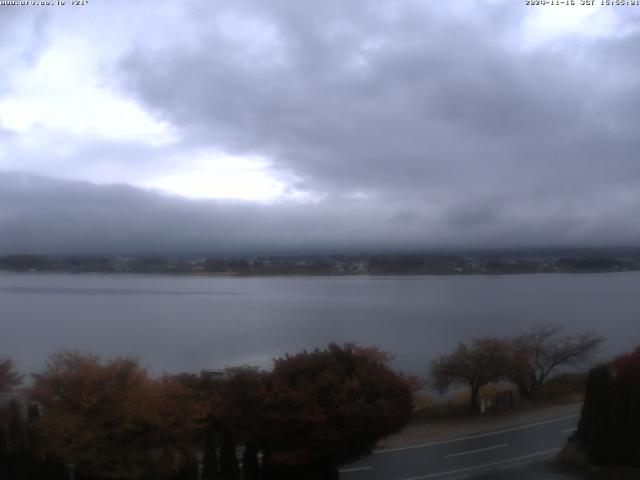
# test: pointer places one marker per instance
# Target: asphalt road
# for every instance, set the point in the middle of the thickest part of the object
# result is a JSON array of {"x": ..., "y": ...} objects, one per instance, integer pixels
[{"x": 474, "y": 455}]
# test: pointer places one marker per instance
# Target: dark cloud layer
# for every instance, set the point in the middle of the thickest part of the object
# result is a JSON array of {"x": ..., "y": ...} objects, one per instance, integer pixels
[{"x": 50, "y": 216}]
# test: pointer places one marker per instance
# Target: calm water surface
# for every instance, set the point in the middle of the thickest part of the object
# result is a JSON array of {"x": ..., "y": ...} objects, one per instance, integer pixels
[{"x": 189, "y": 323}]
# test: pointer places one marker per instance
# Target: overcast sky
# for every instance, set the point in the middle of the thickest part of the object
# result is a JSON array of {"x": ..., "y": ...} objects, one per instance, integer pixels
[{"x": 218, "y": 126}]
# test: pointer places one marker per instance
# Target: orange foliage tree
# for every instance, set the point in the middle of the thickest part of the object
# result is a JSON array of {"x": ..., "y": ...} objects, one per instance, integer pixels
[
  {"x": 313, "y": 412},
  {"x": 107, "y": 417},
  {"x": 485, "y": 360}
]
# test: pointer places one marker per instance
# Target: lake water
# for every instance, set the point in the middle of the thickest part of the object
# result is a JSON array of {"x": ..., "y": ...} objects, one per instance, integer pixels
[{"x": 189, "y": 323}]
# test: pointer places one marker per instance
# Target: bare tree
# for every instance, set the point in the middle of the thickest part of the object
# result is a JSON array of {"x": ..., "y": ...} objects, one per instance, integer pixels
[
  {"x": 484, "y": 360},
  {"x": 536, "y": 353}
]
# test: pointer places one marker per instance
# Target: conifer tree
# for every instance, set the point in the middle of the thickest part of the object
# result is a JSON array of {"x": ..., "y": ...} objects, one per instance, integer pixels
[
  {"x": 17, "y": 433},
  {"x": 4, "y": 460},
  {"x": 33, "y": 415},
  {"x": 229, "y": 468},
  {"x": 3, "y": 442},
  {"x": 594, "y": 428},
  {"x": 209, "y": 457},
  {"x": 626, "y": 417},
  {"x": 188, "y": 466},
  {"x": 250, "y": 463}
]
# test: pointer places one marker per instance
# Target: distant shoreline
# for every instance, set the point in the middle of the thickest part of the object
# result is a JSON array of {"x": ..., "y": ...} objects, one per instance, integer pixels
[
  {"x": 312, "y": 275},
  {"x": 330, "y": 265}
]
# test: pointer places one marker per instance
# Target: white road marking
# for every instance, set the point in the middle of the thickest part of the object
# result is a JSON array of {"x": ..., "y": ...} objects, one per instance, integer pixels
[
  {"x": 354, "y": 469},
  {"x": 570, "y": 430},
  {"x": 476, "y": 467},
  {"x": 469, "y": 437},
  {"x": 469, "y": 452}
]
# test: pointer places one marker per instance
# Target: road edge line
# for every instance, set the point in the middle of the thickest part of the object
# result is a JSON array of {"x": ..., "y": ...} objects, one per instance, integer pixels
[{"x": 479, "y": 435}]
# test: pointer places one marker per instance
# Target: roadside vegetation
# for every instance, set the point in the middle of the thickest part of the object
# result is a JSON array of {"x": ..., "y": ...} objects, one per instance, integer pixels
[
  {"x": 312, "y": 412},
  {"x": 607, "y": 441},
  {"x": 526, "y": 361},
  {"x": 110, "y": 419}
]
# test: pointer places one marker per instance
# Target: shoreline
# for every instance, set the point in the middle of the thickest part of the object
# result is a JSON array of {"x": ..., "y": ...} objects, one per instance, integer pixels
[{"x": 310, "y": 275}]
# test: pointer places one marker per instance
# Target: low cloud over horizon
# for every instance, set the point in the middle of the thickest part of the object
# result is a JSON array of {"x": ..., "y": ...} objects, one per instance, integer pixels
[
  {"x": 276, "y": 126},
  {"x": 53, "y": 216}
]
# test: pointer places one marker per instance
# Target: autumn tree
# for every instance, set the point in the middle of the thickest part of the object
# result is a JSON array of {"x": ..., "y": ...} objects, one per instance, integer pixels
[
  {"x": 537, "y": 353},
  {"x": 328, "y": 407},
  {"x": 176, "y": 414},
  {"x": 237, "y": 406},
  {"x": 105, "y": 416},
  {"x": 483, "y": 361},
  {"x": 9, "y": 377}
]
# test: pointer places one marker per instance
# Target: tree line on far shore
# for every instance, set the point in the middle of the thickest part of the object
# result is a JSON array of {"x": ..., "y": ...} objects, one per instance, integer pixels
[{"x": 111, "y": 419}]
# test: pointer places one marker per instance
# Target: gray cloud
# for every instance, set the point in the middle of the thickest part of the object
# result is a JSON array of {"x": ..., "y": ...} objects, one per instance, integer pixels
[
  {"x": 410, "y": 104},
  {"x": 416, "y": 127},
  {"x": 52, "y": 216}
]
